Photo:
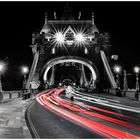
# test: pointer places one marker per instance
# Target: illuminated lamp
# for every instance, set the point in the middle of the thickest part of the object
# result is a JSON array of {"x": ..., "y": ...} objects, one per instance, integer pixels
[
  {"x": 24, "y": 69},
  {"x": 79, "y": 37},
  {"x": 86, "y": 50},
  {"x": 136, "y": 69},
  {"x": 1, "y": 67},
  {"x": 59, "y": 38},
  {"x": 53, "y": 50},
  {"x": 117, "y": 69}
]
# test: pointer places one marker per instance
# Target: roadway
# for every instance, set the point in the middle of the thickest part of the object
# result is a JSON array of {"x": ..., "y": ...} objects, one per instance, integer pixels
[{"x": 54, "y": 115}]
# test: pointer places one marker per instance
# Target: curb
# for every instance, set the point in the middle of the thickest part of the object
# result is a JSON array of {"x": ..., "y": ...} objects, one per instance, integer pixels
[
  {"x": 26, "y": 131},
  {"x": 29, "y": 122}
]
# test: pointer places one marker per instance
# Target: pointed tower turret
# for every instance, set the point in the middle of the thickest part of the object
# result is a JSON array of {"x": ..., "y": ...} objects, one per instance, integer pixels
[
  {"x": 92, "y": 16},
  {"x": 55, "y": 15},
  {"x": 94, "y": 28},
  {"x": 67, "y": 15},
  {"x": 45, "y": 28},
  {"x": 79, "y": 17}
]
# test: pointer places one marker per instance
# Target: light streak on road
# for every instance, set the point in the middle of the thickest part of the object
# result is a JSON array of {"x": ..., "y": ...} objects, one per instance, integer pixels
[
  {"x": 108, "y": 103},
  {"x": 110, "y": 119},
  {"x": 52, "y": 101}
]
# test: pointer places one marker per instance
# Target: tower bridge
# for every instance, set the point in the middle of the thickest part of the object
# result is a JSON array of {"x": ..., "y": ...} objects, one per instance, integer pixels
[{"x": 73, "y": 49}]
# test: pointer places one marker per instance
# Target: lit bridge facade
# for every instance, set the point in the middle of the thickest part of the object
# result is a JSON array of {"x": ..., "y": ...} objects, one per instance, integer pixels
[{"x": 69, "y": 49}]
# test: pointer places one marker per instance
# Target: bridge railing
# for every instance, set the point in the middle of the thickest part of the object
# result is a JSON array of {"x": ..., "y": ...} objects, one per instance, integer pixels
[
  {"x": 24, "y": 94},
  {"x": 6, "y": 95}
]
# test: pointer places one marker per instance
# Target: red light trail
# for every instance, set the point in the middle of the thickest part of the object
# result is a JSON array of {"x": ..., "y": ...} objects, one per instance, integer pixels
[{"x": 51, "y": 100}]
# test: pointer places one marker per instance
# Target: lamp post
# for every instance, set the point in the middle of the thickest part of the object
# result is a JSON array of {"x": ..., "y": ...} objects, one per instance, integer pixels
[
  {"x": 1, "y": 70},
  {"x": 125, "y": 85},
  {"x": 137, "y": 70},
  {"x": 24, "y": 70},
  {"x": 117, "y": 70}
]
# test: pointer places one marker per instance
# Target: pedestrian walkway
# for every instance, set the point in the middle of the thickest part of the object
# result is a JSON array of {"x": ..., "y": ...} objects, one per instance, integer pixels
[{"x": 12, "y": 119}]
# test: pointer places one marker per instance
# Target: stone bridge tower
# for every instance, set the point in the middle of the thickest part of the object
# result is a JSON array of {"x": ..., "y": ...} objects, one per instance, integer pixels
[{"x": 70, "y": 49}]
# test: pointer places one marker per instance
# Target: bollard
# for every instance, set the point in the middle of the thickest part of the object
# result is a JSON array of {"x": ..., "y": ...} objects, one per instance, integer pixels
[
  {"x": 24, "y": 94},
  {"x": 124, "y": 93},
  {"x": 137, "y": 95},
  {"x": 118, "y": 92},
  {"x": 72, "y": 98},
  {"x": 19, "y": 94}
]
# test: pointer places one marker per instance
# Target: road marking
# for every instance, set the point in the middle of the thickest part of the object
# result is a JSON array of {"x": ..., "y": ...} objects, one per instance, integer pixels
[
  {"x": 101, "y": 98},
  {"x": 31, "y": 123},
  {"x": 122, "y": 107},
  {"x": 109, "y": 104}
]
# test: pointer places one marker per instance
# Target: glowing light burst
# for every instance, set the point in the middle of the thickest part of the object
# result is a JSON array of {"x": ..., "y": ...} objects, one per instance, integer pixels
[
  {"x": 81, "y": 38},
  {"x": 58, "y": 39}
]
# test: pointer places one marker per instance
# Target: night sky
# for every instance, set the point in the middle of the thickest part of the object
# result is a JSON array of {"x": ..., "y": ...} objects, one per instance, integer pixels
[{"x": 19, "y": 19}]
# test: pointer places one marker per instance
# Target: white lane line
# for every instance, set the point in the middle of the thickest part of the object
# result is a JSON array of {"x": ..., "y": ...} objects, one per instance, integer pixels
[
  {"x": 106, "y": 103},
  {"x": 101, "y": 98},
  {"x": 31, "y": 123},
  {"x": 122, "y": 107}
]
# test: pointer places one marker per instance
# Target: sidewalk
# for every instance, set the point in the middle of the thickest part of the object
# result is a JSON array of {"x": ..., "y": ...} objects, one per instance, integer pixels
[{"x": 12, "y": 119}]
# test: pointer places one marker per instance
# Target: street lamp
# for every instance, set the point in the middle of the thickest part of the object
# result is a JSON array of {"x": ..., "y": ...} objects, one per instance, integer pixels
[
  {"x": 117, "y": 70},
  {"x": 24, "y": 70},
  {"x": 2, "y": 66},
  {"x": 125, "y": 86},
  {"x": 137, "y": 70}
]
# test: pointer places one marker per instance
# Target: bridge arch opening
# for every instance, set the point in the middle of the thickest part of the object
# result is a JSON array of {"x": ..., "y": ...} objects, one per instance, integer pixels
[{"x": 84, "y": 64}]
